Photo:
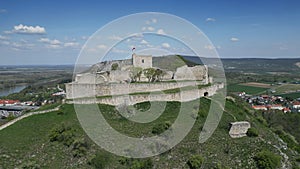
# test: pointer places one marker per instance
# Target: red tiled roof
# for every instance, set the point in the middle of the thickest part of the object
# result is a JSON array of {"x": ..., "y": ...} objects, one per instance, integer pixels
[
  {"x": 259, "y": 106},
  {"x": 9, "y": 101},
  {"x": 296, "y": 103}
]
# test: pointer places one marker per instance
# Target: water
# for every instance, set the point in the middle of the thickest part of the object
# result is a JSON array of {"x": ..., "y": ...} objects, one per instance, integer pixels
[{"x": 15, "y": 89}]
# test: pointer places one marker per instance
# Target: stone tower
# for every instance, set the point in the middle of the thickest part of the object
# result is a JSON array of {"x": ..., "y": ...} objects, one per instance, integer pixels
[{"x": 143, "y": 61}]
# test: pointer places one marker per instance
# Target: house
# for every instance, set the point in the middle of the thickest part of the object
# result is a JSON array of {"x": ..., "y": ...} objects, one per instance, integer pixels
[
  {"x": 259, "y": 107},
  {"x": 275, "y": 107},
  {"x": 265, "y": 96},
  {"x": 296, "y": 105},
  {"x": 286, "y": 110},
  {"x": 8, "y": 102},
  {"x": 240, "y": 94}
]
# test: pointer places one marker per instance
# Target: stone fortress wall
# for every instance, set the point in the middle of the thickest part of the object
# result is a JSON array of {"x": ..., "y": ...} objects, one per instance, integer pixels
[
  {"x": 183, "y": 96},
  {"x": 77, "y": 90}
]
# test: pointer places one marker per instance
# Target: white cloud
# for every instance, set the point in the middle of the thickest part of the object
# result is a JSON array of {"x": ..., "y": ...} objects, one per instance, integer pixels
[
  {"x": 55, "y": 42},
  {"x": 102, "y": 46},
  {"x": 21, "y": 45},
  {"x": 161, "y": 32},
  {"x": 29, "y": 29},
  {"x": 44, "y": 40},
  {"x": 114, "y": 37},
  {"x": 144, "y": 42},
  {"x": 84, "y": 37},
  {"x": 233, "y": 39},
  {"x": 151, "y": 21},
  {"x": 8, "y": 32},
  {"x": 3, "y": 37},
  {"x": 53, "y": 46},
  {"x": 149, "y": 28},
  {"x": 165, "y": 45},
  {"x": 48, "y": 41},
  {"x": 211, "y": 47},
  {"x": 71, "y": 44},
  {"x": 210, "y": 19},
  {"x": 138, "y": 35}
]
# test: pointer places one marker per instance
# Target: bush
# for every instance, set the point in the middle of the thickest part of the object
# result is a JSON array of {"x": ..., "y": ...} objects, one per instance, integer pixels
[
  {"x": 291, "y": 143},
  {"x": 63, "y": 133},
  {"x": 80, "y": 147},
  {"x": 114, "y": 66},
  {"x": 139, "y": 164},
  {"x": 158, "y": 129},
  {"x": 30, "y": 165},
  {"x": 267, "y": 160},
  {"x": 195, "y": 162},
  {"x": 252, "y": 132},
  {"x": 100, "y": 160}
]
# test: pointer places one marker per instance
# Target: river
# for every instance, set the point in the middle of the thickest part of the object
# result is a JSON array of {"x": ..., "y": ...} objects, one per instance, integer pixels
[{"x": 15, "y": 89}]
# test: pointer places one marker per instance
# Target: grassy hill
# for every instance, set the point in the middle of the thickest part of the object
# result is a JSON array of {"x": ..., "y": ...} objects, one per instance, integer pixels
[{"x": 56, "y": 140}]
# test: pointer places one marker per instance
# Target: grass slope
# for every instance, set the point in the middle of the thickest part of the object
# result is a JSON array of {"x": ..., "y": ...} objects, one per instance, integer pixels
[{"x": 27, "y": 141}]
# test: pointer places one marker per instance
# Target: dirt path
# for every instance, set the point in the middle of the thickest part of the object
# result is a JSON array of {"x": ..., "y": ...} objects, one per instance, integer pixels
[{"x": 27, "y": 115}]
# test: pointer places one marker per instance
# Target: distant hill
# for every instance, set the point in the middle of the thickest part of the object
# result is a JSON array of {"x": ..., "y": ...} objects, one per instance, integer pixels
[
  {"x": 257, "y": 65},
  {"x": 242, "y": 65},
  {"x": 254, "y": 65}
]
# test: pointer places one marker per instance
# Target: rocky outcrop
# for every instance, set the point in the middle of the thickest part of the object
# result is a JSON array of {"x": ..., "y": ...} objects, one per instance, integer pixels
[{"x": 239, "y": 129}]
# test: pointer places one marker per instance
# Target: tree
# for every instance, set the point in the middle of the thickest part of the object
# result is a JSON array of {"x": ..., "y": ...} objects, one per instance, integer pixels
[
  {"x": 158, "y": 129},
  {"x": 149, "y": 73},
  {"x": 195, "y": 162},
  {"x": 158, "y": 74},
  {"x": 252, "y": 132},
  {"x": 135, "y": 73},
  {"x": 267, "y": 160},
  {"x": 114, "y": 66}
]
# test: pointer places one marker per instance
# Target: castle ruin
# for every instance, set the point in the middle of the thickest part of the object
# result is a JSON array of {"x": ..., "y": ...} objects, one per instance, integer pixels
[{"x": 116, "y": 77}]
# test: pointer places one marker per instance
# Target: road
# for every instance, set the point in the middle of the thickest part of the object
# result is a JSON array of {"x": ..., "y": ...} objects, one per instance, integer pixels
[{"x": 27, "y": 115}]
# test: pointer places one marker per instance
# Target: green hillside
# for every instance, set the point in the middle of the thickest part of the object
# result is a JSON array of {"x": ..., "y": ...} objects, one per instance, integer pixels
[
  {"x": 56, "y": 140},
  {"x": 171, "y": 62}
]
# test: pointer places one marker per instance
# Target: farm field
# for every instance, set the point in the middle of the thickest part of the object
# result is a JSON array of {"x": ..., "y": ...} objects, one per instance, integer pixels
[
  {"x": 247, "y": 89},
  {"x": 256, "y": 84},
  {"x": 294, "y": 95},
  {"x": 287, "y": 88}
]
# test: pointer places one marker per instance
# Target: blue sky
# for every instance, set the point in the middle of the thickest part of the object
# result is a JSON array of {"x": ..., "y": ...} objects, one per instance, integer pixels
[{"x": 53, "y": 32}]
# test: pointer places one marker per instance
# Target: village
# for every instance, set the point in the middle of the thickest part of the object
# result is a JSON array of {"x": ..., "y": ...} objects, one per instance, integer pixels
[
  {"x": 266, "y": 102},
  {"x": 10, "y": 109}
]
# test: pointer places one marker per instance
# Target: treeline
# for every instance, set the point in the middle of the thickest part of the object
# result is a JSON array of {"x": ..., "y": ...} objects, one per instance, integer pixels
[{"x": 237, "y": 77}]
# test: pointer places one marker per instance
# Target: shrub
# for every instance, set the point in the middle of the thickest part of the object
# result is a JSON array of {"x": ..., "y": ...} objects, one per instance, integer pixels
[
  {"x": 262, "y": 120},
  {"x": 195, "y": 162},
  {"x": 80, "y": 147},
  {"x": 30, "y": 165},
  {"x": 267, "y": 160},
  {"x": 114, "y": 66},
  {"x": 100, "y": 160},
  {"x": 252, "y": 132},
  {"x": 62, "y": 133},
  {"x": 142, "y": 164},
  {"x": 158, "y": 129}
]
